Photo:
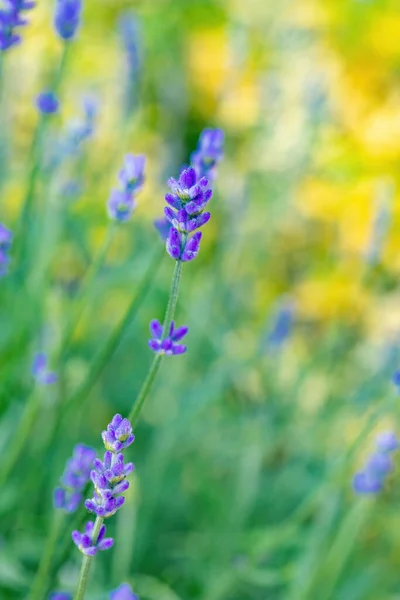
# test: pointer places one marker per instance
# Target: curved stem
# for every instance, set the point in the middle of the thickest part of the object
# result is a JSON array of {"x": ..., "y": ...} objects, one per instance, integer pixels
[
  {"x": 89, "y": 278},
  {"x": 86, "y": 563},
  {"x": 39, "y": 583},
  {"x": 35, "y": 159},
  {"x": 155, "y": 365}
]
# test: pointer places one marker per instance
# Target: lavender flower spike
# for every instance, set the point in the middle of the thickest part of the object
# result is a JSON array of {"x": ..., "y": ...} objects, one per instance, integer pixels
[
  {"x": 167, "y": 345},
  {"x": 371, "y": 478},
  {"x": 75, "y": 477},
  {"x": 40, "y": 371},
  {"x": 88, "y": 546},
  {"x": 123, "y": 592},
  {"x": 190, "y": 196},
  {"x": 10, "y": 19},
  {"x": 109, "y": 476},
  {"x": 209, "y": 153},
  {"x": 67, "y": 18}
]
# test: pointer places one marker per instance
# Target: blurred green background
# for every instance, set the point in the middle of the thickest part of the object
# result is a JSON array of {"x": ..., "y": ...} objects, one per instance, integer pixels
[{"x": 247, "y": 446}]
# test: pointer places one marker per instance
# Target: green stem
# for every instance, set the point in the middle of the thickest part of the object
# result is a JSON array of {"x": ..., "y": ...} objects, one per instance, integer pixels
[
  {"x": 86, "y": 562},
  {"x": 35, "y": 159},
  {"x": 86, "y": 288},
  {"x": 155, "y": 365},
  {"x": 39, "y": 584},
  {"x": 20, "y": 436},
  {"x": 106, "y": 352}
]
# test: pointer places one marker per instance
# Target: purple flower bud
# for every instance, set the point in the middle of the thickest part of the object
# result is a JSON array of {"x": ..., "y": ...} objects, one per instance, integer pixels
[
  {"x": 74, "y": 479},
  {"x": 67, "y": 18},
  {"x": 209, "y": 153},
  {"x": 47, "y": 103}
]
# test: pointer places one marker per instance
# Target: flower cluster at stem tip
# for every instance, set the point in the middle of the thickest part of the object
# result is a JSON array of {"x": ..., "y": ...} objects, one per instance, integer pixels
[
  {"x": 74, "y": 479},
  {"x": 122, "y": 202},
  {"x": 5, "y": 244},
  {"x": 189, "y": 197},
  {"x": 109, "y": 479},
  {"x": 371, "y": 479},
  {"x": 10, "y": 19}
]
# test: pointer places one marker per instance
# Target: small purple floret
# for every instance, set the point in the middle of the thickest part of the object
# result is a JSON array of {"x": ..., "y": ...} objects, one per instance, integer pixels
[
  {"x": 87, "y": 545},
  {"x": 167, "y": 345}
]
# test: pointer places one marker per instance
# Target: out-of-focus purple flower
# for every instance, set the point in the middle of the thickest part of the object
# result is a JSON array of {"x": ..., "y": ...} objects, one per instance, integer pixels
[
  {"x": 167, "y": 345},
  {"x": 47, "y": 103},
  {"x": 209, "y": 153},
  {"x": 387, "y": 441},
  {"x": 60, "y": 596},
  {"x": 396, "y": 380},
  {"x": 123, "y": 592},
  {"x": 5, "y": 244},
  {"x": 74, "y": 479},
  {"x": 122, "y": 202},
  {"x": 129, "y": 29},
  {"x": 87, "y": 545},
  {"x": 109, "y": 476},
  {"x": 10, "y": 19},
  {"x": 281, "y": 325},
  {"x": 163, "y": 227},
  {"x": 131, "y": 176},
  {"x": 67, "y": 18},
  {"x": 40, "y": 372},
  {"x": 371, "y": 478},
  {"x": 120, "y": 205}
]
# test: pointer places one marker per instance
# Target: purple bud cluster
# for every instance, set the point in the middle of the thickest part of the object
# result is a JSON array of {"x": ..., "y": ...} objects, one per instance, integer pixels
[
  {"x": 40, "y": 370},
  {"x": 122, "y": 202},
  {"x": 10, "y": 19},
  {"x": 168, "y": 345},
  {"x": 210, "y": 151},
  {"x": 109, "y": 475},
  {"x": 371, "y": 479},
  {"x": 74, "y": 479},
  {"x": 67, "y": 18},
  {"x": 189, "y": 197},
  {"x": 87, "y": 545},
  {"x": 5, "y": 245}
]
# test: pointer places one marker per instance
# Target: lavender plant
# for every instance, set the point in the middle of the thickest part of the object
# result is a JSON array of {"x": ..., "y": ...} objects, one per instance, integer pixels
[
  {"x": 371, "y": 478},
  {"x": 109, "y": 479}
]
